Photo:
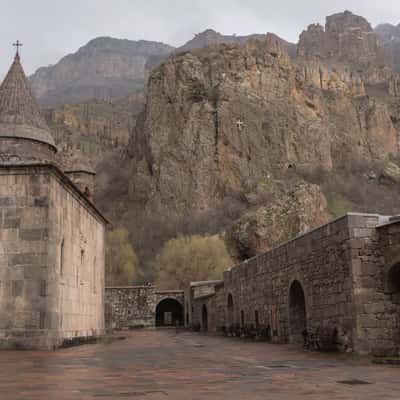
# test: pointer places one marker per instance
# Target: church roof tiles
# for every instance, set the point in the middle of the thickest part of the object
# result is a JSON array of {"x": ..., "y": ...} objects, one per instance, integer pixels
[{"x": 20, "y": 116}]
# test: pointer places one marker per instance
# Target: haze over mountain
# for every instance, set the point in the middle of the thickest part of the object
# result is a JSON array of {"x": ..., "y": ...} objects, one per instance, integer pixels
[{"x": 50, "y": 32}]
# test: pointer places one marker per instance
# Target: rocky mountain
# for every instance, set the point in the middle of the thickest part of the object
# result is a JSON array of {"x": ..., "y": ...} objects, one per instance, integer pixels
[
  {"x": 105, "y": 68},
  {"x": 346, "y": 37},
  {"x": 87, "y": 92},
  {"x": 389, "y": 36},
  {"x": 95, "y": 129},
  {"x": 221, "y": 123},
  {"x": 252, "y": 138},
  {"x": 211, "y": 37},
  {"x": 109, "y": 68}
]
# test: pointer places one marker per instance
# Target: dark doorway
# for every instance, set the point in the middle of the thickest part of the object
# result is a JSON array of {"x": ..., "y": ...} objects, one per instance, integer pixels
[
  {"x": 204, "y": 318},
  {"x": 256, "y": 319},
  {"x": 394, "y": 283},
  {"x": 169, "y": 312},
  {"x": 393, "y": 286},
  {"x": 230, "y": 320},
  {"x": 297, "y": 312}
]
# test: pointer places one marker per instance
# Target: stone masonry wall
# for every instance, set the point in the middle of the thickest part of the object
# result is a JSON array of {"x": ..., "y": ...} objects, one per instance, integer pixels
[
  {"x": 135, "y": 306},
  {"x": 377, "y": 303},
  {"x": 16, "y": 149},
  {"x": 320, "y": 261},
  {"x": 131, "y": 307},
  {"x": 37, "y": 307},
  {"x": 24, "y": 264},
  {"x": 77, "y": 257},
  {"x": 349, "y": 271},
  {"x": 215, "y": 306}
]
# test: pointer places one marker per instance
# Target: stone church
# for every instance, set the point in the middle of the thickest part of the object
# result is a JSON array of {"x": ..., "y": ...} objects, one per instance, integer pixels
[{"x": 52, "y": 237}]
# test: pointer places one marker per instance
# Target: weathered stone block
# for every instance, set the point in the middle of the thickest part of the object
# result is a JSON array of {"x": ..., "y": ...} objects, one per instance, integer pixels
[
  {"x": 41, "y": 202},
  {"x": 7, "y": 201},
  {"x": 34, "y": 234}
]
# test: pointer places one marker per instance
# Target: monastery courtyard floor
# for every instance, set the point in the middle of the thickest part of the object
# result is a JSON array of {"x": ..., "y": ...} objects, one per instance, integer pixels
[{"x": 163, "y": 365}]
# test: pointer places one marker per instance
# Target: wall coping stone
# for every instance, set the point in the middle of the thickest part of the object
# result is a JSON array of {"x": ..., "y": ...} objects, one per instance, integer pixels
[{"x": 382, "y": 219}]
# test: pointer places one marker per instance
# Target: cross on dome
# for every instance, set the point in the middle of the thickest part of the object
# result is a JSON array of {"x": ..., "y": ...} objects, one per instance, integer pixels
[{"x": 17, "y": 44}]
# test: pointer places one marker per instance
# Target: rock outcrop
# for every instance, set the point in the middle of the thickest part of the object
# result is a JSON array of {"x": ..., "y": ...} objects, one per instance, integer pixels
[
  {"x": 210, "y": 37},
  {"x": 287, "y": 214},
  {"x": 103, "y": 68},
  {"x": 94, "y": 129},
  {"x": 346, "y": 37},
  {"x": 218, "y": 121},
  {"x": 389, "y": 35}
]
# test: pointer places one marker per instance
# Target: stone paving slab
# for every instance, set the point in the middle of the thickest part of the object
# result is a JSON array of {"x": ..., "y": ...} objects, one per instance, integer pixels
[{"x": 160, "y": 365}]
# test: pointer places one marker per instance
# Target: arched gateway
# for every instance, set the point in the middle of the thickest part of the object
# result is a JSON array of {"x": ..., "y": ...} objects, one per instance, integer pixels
[
  {"x": 169, "y": 312},
  {"x": 297, "y": 312}
]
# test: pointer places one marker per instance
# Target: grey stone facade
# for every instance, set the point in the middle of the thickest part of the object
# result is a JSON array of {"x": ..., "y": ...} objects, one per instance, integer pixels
[
  {"x": 136, "y": 306},
  {"x": 342, "y": 280},
  {"x": 51, "y": 260}
]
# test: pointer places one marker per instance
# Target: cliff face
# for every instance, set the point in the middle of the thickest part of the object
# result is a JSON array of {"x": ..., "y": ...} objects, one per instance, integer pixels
[
  {"x": 220, "y": 120},
  {"x": 224, "y": 122},
  {"x": 95, "y": 129},
  {"x": 346, "y": 37},
  {"x": 389, "y": 35},
  {"x": 104, "y": 68}
]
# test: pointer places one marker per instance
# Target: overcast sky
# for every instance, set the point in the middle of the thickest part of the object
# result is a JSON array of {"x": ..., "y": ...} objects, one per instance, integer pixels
[{"x": 51, "y": 29}]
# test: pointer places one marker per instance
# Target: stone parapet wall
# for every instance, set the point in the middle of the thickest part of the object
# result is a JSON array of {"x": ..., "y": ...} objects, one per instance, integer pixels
[
  {"x": 135, "y": 306},
  {"x": 130, "y": 307}
]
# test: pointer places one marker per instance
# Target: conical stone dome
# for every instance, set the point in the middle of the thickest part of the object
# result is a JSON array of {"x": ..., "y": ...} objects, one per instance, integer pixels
[{"x": 20, "y": 115}]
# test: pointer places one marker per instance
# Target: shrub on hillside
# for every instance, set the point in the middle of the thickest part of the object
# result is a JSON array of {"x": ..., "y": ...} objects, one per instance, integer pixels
[
  {"x": 121, "y": 260},
  {"x": 191, "y": 258}
]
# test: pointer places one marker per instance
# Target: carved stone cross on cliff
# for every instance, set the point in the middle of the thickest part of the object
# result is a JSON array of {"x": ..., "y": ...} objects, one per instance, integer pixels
[{"x": 240, "y": 124}]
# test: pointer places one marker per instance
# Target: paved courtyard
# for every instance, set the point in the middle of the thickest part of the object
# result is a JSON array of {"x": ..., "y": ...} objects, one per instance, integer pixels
[{"x": 161, "y": 364}]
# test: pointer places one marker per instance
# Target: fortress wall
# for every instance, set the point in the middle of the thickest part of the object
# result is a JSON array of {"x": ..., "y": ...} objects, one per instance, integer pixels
[{"x": 342, "y": 268}]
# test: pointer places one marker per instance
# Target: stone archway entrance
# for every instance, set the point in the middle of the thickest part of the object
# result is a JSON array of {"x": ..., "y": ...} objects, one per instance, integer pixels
[
  {"x": 169, "y": 312},
  {"x": 297, "y": 312},
  {"x": 204, "y": 318}
]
